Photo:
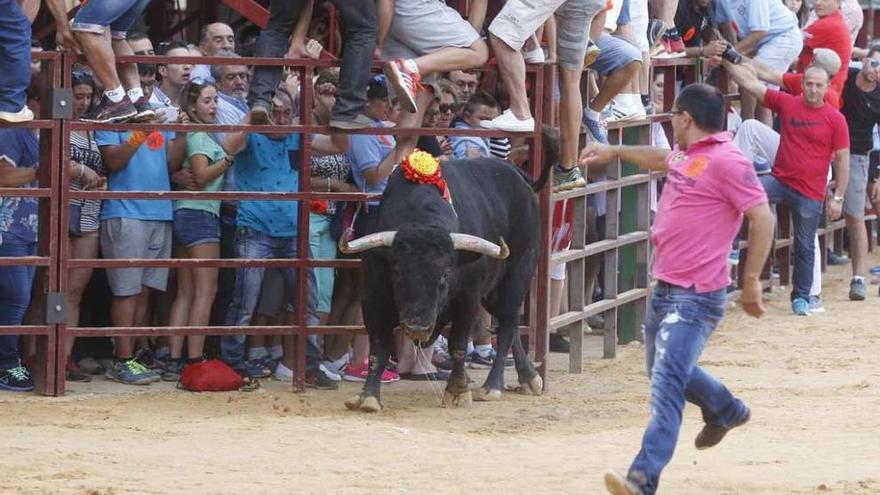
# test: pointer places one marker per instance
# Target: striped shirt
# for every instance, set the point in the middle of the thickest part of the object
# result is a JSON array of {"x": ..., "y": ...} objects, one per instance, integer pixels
[{"x": 84, "y": 150}]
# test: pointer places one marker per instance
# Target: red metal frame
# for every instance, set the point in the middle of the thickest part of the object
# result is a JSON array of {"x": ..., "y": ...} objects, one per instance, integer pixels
[{"x": 538, "y": 313}]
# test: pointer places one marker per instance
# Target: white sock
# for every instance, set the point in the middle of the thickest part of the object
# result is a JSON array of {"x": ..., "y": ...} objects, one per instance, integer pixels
[
  {"x": 629, "y": 100},
  {"x": 255, "y": 353},
  {"x": 483, "y": 349},
  {"x": 135, "y": 94},
  {"x": 115, "y": 95},
  {"x": 470, "y": 347},
  {"x": 859, "y": 278},
  {"x": 276, "y": 351},
  {"x": 592, "y": 114}
]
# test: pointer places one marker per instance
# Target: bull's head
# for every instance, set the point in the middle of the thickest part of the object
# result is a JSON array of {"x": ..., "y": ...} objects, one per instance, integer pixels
[{"x": 422, "y": 267}]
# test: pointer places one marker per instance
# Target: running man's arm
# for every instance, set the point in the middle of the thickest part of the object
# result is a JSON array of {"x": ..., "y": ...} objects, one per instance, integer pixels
[
  {"x": 761, "y": 225},
  {"x": 646, "y": 157}
]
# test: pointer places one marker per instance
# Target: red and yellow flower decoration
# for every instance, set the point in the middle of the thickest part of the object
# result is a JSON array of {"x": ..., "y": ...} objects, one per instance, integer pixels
[
  {"x": 319, "y": 206},
  {"x": 423, "y": 168}
]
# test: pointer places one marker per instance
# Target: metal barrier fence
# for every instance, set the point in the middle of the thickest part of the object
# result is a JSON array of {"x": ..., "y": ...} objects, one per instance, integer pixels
[{"x": 55, "y": 193}]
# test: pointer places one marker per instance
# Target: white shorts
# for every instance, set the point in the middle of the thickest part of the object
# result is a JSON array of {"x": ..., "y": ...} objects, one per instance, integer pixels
[{"x": 638, "y": 13}]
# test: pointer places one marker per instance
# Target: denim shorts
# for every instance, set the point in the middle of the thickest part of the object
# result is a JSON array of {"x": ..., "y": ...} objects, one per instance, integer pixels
[
  {"x": 194, "y": 227},
  {"x": 96, "y": 16},
  {"x": 616, "y": 54}
]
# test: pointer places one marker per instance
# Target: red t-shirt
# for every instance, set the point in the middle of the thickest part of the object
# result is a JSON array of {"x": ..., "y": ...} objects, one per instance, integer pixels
[
  {"x": 794, "y": 84},
  {"x": 828, "y": 32},
  {"x": 808, "y": 139}
]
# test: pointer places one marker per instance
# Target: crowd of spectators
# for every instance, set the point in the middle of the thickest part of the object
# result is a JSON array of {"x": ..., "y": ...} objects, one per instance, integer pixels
[{"x": 432, "y": 59}]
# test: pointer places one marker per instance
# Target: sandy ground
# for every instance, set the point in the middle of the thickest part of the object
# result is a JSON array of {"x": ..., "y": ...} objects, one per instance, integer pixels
[{"x": 812, "y": 384}]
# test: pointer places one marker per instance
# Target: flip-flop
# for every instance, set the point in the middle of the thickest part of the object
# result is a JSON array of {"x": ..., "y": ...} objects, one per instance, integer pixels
[{"x": 424, "y": 377}]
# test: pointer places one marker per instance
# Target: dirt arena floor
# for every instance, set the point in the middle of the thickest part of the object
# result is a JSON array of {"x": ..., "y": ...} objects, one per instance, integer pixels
[{"x": 813, "y": 385}]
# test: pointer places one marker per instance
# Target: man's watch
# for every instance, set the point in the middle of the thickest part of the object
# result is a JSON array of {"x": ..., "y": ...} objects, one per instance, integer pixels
[{"x": 839, "y": 199}]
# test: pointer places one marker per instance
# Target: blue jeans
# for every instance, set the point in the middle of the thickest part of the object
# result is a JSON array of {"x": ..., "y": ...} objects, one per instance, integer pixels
[
  {"x": 118, "y": 15},
  {"x": 359, "y": 41},
  {"x": 678, "y": 323},
  {"x": 15, "y": 56},
  {"x": 253, "y": 244},
  {"x": 15, "y": 295},
  {"x": 806, "y": 214}
]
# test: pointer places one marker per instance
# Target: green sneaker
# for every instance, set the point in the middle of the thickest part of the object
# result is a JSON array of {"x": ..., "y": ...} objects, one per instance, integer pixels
[
  {"x": 565, "y": 180},
  {"x": 129, "y": 372}
]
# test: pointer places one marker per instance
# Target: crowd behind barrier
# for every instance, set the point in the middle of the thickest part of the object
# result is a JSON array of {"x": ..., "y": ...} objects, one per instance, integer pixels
[{"x": 593, "y": 271}]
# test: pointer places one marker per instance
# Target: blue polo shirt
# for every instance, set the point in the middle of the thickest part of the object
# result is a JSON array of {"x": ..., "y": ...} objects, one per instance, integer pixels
[
  {"x": 268, "y": 165},
  {"x": 147, "y": 170}
]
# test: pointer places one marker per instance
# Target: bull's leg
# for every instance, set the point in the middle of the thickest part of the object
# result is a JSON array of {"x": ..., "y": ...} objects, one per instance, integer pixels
[
  {"x": 529, "y": 379},
  {"x": 458, "y": 391},
  {"x": 491, "y": 389},
  {"x": 380, "y": 350}
]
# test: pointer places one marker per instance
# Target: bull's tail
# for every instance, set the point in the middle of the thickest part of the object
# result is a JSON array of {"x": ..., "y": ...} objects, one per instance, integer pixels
[
  {"x": 545, "y": 174},
  {"x": 550, "y": 142}
]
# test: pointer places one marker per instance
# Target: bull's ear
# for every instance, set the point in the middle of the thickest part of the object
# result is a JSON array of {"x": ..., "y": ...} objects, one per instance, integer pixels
[{"x": 465, "y": 257}]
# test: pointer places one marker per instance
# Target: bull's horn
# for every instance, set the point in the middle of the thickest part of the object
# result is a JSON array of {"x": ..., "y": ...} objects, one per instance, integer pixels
[
  {"x": 379, "y": 239},
  {"x": 476, "y": 244}
]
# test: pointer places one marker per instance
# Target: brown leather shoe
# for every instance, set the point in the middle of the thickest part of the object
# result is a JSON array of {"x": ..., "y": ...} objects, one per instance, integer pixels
[{"x": 711, "y": 435}]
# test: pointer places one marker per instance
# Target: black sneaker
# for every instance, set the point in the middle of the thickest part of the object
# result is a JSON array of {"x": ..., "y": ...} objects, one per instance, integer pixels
[
  {"x": 559, "y": 344},
  {"x": 108, "y": 112},
  {"x": 172, "y": 370},
  {"x": 317, "y": 379},
  {"x": 16, "y": 379},
  {"x": 359, "y": 121},
  {"x": 144, "y": 112},
  {"x": 712, "y": 435}
]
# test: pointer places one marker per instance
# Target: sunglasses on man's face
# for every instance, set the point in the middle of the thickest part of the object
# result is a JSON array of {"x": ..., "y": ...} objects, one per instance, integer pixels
[{"x": 448, "y": 107}]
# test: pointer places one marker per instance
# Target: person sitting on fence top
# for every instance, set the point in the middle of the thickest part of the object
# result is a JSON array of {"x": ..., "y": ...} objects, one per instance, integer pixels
[
  {"x": 696, "y": 21},
  {"x": 852, "y": 13},
  {"x": 709, "y": 179},
  {"x": 765, "y": 29},
  {"x": 812, "y": 132},
  {"x": 359, "y": 37},
  {"x": 123, "y": 97},
  {"x": 829, "y": 31},
  {"x": 213, "y": 39},
  {"x": 416, "y": 51},
  {"x": 19, "y": 160},
  {"x": 267, "y": 229},
  {"x": 136, "y": 228},
  {"x": 508, "y": 33}
]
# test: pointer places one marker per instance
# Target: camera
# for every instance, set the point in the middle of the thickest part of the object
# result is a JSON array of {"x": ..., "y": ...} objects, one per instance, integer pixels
[{"x": 731, "y": 55}]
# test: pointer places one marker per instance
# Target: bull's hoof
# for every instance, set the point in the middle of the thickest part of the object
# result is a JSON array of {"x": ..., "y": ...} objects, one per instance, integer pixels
[
  {"x": 457, "y": 399},
  {"x": 488, "y": 395},
  {"x": 535, "y": 386},
  {"x": 366, "y": 404}
]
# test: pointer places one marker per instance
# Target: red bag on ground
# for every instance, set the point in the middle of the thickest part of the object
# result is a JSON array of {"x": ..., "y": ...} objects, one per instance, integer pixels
[{"x": 210, "y": 376}]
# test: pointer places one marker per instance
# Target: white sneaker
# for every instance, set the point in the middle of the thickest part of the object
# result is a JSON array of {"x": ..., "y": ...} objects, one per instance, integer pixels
[
  {"x": 283, "y": 373},
  {"x": 535, "y": 56},
  {"x": 23, "y": 115},
  {"x": 507, "y": 121},
  {"x": 336, "y": 377},
  {"x": 337, "y": 366},
  {"x": 621, "y": 112}
]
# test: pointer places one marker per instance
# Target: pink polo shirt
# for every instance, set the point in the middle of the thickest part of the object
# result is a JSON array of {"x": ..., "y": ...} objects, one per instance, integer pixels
[{"x": 708, "y": 188}]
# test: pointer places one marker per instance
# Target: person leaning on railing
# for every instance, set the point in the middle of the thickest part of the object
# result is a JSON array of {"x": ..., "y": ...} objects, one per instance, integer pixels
[
  {"x": 86, "y": 171},
  {"x": 197, "y": 227},
  {"x": 19, "y": 159}
]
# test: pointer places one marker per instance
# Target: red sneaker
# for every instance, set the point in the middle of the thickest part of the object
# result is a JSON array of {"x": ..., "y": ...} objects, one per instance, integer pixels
[
  {"x": 403, "y": 74},
  {"x": 359, "y": 374}
]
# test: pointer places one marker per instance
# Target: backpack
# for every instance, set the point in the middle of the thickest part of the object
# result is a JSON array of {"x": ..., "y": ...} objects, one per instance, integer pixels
[{"x": 212, "y": 375}]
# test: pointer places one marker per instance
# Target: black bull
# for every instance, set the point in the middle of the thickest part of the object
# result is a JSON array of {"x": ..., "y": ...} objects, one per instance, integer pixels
[{"x": 421, "y": 273}]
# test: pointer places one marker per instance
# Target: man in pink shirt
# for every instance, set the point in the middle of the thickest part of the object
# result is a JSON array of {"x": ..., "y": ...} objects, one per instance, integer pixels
[{"x": 710, "y": 185}]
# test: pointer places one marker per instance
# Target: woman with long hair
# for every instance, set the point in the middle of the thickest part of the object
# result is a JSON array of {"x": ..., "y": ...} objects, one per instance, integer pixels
[{"x": 197, "y": 227}]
